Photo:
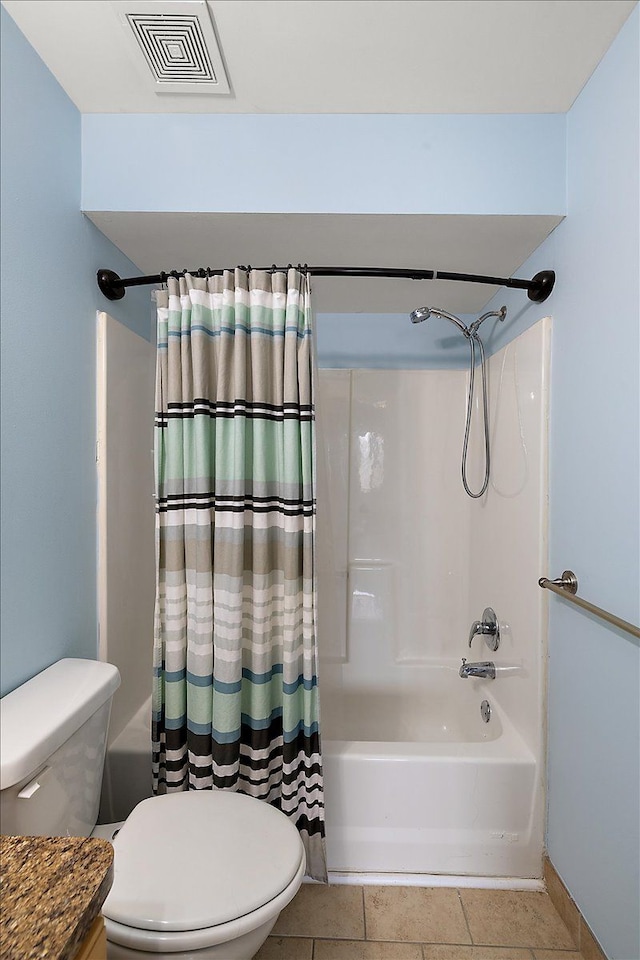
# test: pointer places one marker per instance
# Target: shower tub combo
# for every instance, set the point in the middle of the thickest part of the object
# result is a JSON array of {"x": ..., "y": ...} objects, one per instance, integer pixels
[{"x": 416, "y": 783}]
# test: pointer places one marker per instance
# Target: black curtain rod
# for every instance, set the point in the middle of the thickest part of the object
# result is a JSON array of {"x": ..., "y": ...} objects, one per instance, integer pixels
[{"x": 538, "y": 288}]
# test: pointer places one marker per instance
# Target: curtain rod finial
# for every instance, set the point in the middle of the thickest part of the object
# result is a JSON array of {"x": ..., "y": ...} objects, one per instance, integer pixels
[
  {"x": 110, "y": 284},
  {"x": 544, "y": 282}
]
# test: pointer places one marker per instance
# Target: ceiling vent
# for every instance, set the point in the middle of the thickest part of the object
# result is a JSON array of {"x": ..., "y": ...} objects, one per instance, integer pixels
[{"x": 178, "y": 42}]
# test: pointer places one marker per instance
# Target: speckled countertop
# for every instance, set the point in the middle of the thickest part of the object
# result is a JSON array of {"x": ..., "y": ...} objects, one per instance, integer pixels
[{"x": 52, "y": 891}]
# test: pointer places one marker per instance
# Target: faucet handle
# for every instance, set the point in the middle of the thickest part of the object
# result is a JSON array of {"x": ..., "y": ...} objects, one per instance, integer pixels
[{"x": 487, "y": 627}]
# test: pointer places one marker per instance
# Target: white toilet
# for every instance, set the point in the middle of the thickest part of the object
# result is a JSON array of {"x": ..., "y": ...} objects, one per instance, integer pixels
[{"x": 200, "y": 874}]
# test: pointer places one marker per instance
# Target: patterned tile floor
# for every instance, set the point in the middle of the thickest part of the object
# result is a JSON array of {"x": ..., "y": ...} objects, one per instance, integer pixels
[{"x": 416, "y": 923}]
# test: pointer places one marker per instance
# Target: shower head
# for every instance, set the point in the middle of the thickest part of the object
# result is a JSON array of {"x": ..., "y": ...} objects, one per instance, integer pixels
[
  {"x": 471, "y": 334},
  {"x": 420, "y": 314},
  {"x": 423, "y": 313}
]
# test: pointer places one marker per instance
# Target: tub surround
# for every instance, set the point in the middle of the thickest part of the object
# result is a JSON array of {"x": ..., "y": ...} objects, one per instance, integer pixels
[
  {"x": 415, "y": 781},
  {"x": 53, "y": 889}
]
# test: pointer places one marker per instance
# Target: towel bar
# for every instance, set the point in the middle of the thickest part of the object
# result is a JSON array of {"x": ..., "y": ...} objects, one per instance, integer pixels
[{"x": 567, "y": 586}]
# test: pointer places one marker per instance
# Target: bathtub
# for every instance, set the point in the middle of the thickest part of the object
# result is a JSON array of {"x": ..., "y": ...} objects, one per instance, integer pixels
[{"x": 416, "y": 783}]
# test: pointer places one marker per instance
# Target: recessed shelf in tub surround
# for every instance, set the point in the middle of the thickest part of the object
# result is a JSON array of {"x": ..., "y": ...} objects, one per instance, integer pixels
[{"x": 52, "y": 891}]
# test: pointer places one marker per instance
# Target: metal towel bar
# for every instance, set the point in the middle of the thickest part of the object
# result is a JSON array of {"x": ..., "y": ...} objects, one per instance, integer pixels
[{"x": 567, "y": 586}]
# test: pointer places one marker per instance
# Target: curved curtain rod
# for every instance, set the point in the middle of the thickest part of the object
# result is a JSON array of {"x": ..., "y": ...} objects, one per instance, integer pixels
[{"x": 538, "y": 288}]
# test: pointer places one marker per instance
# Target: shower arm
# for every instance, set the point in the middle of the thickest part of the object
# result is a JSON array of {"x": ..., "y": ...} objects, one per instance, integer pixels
[{"x": 538, "y": 288}]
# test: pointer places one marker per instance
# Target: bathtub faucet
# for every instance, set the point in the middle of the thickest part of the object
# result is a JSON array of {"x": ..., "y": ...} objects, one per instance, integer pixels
[{"x": 486, "y": 669}]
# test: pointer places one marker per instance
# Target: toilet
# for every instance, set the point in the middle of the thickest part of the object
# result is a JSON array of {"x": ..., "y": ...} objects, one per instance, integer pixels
[{"x": 199, "y": 874}]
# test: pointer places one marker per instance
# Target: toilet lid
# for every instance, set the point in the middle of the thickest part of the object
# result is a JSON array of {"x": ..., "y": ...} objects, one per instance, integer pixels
[{"x": 190, "y": 860}]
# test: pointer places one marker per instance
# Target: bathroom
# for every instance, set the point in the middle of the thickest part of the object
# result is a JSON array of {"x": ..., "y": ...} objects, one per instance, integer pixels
[{"x": 579, "y": 163}]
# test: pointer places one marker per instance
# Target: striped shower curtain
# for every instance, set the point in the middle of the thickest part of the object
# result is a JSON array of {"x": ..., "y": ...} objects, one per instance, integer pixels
[{"x": 235, "y": 695}]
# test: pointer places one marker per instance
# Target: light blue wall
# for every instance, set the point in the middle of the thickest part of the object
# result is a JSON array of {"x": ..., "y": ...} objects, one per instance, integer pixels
[
  {"x": 50, "y": 253},
  {"x": 594, "y": 692},
  {"x": 325, "y": 163},
  {"x": 594, "y": 525}
]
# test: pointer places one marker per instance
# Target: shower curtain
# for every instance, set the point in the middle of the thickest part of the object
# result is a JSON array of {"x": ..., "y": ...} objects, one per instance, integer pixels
[{"x": 235, "y": 694}]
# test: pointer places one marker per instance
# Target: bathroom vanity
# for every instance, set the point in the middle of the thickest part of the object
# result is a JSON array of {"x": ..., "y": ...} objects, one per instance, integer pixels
[{"x": 52, "y": 891}]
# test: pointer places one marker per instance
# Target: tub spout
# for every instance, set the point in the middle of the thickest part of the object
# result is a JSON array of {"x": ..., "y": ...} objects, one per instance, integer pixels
[{"x": 486, "y": 669}]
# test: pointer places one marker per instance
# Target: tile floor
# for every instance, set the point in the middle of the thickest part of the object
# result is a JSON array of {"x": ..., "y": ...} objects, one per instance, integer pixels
[{"x": 345, "y": 922}]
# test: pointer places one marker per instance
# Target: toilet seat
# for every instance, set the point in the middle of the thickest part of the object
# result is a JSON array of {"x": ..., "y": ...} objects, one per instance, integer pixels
[
  {"x": 155, "y": 941},
  {"x": 196, "y": 868}
]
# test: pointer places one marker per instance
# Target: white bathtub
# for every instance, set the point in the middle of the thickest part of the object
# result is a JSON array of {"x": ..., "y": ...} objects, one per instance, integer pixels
[
  {"x": 417, "y": 783},
  {"x": 421, "y": 787}
]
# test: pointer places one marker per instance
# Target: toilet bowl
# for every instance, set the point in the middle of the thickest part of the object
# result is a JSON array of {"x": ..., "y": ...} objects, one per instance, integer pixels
[{"x": 201, "y": 874}]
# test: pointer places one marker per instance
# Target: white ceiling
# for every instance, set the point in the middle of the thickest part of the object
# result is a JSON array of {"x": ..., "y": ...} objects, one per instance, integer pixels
[
  {"x": 460, "y": 244},
  {"x": 342, "y": 56}
]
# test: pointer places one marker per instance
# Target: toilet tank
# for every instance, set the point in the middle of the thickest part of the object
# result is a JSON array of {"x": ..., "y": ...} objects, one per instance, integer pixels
[{"x": 53, "y": 737}]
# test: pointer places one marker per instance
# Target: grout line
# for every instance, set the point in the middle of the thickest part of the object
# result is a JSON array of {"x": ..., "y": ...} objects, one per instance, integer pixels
[
  {"x": 364, "y": 913},
  {"x": 464, "y": 914},
  {"x": 532, "y": 950},
  {"x": 411, "y": 943},
  {"x": 451, "y": 943},
  {"x": 313, "y": 949}
]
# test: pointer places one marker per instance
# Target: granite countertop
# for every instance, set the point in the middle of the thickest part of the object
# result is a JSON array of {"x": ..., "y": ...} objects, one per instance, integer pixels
[{"x": 52, "y": 891}]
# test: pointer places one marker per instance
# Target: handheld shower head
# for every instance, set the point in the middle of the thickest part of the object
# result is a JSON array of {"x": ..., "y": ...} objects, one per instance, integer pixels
[
  {"x": 471, "y": 333},
  {"x": 423, "y": 313},
  {"x": 420, "y": 314}
]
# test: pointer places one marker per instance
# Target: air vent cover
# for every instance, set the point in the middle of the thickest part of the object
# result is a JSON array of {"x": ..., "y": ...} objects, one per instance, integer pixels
[{"x": 178, "y": 43}]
